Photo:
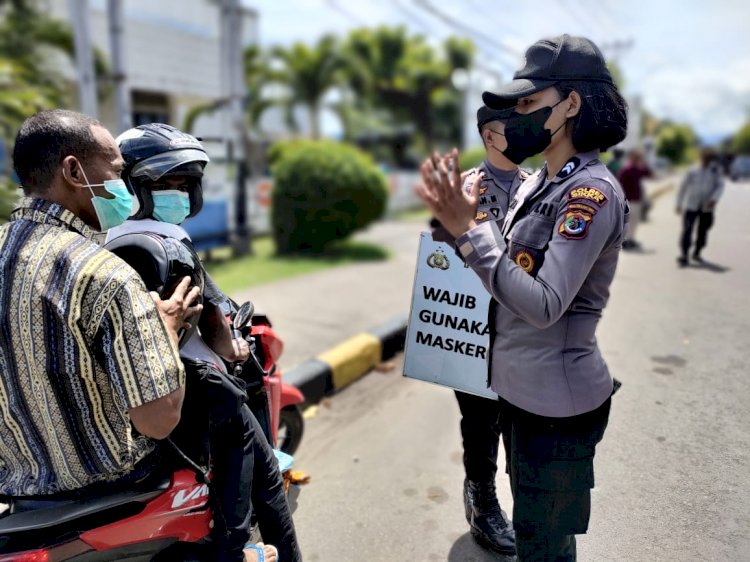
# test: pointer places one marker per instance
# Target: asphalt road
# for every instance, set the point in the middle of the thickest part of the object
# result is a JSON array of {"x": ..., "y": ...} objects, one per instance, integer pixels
[{"x": 672, "y": 472}]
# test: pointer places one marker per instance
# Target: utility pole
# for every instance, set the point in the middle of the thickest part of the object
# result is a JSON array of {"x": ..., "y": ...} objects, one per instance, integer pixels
[
  {"x": 81, "y": 22},
  {"x": 116, "y": 41},
  {"x": 234, "y": 92}
]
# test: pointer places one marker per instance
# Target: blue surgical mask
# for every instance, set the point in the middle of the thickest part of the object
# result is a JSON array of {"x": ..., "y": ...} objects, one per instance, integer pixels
[
  {"x": 111, "y": 212},
  {"x": 170, "y": 205}
]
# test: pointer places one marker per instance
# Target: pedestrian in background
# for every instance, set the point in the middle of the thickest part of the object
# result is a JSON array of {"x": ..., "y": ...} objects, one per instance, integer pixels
[
  {"x": 480, "y": 429},
  {"x": 699, "y": 192},
  {"x": 548, "y": 268},
  {"x": 615, "y": 164},
  {"x": 631, "y": 179}
]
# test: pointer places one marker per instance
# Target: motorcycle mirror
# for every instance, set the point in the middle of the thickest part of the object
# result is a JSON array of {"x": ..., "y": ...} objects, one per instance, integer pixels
[{"x": 244, "y": 314}]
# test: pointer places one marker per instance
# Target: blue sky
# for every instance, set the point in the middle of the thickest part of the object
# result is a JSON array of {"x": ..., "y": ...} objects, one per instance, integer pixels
[{"x": 688, "y": 60}]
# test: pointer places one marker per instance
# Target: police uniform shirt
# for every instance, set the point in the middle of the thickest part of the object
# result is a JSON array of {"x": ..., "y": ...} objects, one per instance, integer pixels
[
  {"x": 495, "y": 193},
  {"x": 496, "y": 190},
  {"x": 549, "y": 267}
]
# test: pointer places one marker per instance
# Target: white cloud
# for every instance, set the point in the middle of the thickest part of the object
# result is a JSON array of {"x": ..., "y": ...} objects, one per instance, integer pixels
[{"x": 714, "y": 101}]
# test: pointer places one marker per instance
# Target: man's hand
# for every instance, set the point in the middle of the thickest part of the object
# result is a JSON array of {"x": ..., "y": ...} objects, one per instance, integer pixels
[
  {"x": 178, "y": 309},
  {"x": 442, "y": 192},
  {"x": 241, "y": 349}
]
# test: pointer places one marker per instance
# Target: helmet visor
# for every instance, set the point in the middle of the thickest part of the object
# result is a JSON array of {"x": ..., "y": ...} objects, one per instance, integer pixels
[{"x": 156, "y": 166}]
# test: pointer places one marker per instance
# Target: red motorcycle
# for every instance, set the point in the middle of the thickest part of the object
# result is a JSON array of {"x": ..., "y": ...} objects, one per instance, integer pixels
[
  {"x": 268, "y": 393},
  {"x": 163, "y": 519}
]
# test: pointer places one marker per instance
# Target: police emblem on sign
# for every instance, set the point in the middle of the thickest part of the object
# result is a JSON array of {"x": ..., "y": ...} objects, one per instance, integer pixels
[{"x": 438, "y": 260}]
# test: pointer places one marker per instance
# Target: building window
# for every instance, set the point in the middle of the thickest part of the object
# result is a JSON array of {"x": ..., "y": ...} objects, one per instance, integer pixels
[{"x": 149, "y": 107}]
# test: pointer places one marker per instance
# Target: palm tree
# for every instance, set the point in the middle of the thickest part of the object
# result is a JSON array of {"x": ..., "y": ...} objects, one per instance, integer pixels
[
  {"x": 308, "y": 73},
  {"x": 403, "y": 74},
  {"x": 27, "y": 81}
]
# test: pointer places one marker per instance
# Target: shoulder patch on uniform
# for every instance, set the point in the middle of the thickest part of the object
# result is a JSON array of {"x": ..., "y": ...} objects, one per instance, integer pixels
[
  {"x": 590, "y": 193},
  {"x": 581, "y": 207},
  {"x": 575, "y": 225}
]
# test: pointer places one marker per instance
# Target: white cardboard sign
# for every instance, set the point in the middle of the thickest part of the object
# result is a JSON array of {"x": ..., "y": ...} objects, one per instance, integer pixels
[{"x": 448, "y": 337}]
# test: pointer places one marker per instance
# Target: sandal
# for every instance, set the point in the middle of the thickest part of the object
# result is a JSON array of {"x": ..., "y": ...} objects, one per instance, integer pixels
[{"x": 258, "y": 548}]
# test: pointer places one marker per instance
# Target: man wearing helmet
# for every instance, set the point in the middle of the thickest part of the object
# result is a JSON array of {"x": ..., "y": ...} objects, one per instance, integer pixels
[{"x": 164, "y": 169}]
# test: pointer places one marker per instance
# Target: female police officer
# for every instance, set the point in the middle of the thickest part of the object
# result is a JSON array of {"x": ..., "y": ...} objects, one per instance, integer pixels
[{"x": 548, "y": 266}]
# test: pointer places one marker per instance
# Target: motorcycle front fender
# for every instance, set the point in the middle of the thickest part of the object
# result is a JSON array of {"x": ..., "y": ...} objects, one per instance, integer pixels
[{"x": 290, "y": 395}]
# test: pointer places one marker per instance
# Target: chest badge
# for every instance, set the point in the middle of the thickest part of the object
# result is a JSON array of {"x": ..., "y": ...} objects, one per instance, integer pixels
[
  {"x": 570, "y": 167},
  {"x": 576, "y": 225},
  {"x": 525, "y": 261},
  {"x": 438, "y": 260},
  {"x": 481, "y": 215}
]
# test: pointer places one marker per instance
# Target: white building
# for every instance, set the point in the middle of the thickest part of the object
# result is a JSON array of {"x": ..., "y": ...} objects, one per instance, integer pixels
[{"x": 172, "y": 52}]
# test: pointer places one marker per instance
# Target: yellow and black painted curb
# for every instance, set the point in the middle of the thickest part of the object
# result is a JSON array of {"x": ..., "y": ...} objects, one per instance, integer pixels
[{"x": 353, "y": 358}]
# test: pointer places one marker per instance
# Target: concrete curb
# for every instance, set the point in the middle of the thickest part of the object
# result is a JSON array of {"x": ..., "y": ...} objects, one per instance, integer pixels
[{"x": 353, "y": 358}]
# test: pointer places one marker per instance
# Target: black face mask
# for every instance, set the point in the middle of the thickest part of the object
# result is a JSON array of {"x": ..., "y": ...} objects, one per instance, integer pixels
[{"x": 526, "y": 135}]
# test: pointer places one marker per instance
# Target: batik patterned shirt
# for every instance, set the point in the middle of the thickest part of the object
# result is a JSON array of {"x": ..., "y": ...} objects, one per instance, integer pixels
[{"x": 81, "y": 343}]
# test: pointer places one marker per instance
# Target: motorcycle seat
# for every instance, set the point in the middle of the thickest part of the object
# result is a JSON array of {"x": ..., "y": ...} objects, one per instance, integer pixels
[{"x": 38, "y": 513}]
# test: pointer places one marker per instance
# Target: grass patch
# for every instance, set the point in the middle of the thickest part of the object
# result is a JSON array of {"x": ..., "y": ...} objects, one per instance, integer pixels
[
  {"x": 235, "y": 274},
  {"x": 422, "y": 214}
]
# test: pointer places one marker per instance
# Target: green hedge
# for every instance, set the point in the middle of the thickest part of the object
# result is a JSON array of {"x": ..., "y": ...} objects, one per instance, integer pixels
[
  {"x": 323, "y": 191},
  {"x": 472, "y": 157}
]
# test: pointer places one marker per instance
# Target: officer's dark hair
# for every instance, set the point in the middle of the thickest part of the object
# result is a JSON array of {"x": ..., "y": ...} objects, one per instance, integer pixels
[
  {"x": 603, "y": 118},
  {"x": 45, "y": 139}
]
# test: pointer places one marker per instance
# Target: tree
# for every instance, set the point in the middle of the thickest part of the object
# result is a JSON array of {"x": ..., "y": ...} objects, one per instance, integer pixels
[
  {"x": 675, "y": 142},
  {"x": 404, "y": 75},
  {"x": 617, "y": 74},
  {"x": 309, "y": 73},
  {"x": 741, "y": 140},
  {"x": 28, "y": 81}
]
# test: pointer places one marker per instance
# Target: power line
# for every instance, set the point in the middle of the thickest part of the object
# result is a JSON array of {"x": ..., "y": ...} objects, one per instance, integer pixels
[
  {"x": 334, "y": 4},
  {"x": 412, "y": 18},
  {"x": 505, "y": 49}
]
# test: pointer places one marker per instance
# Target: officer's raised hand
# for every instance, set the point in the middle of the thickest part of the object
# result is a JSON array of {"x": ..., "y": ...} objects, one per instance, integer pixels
[{"x": 441, "y": 191}]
